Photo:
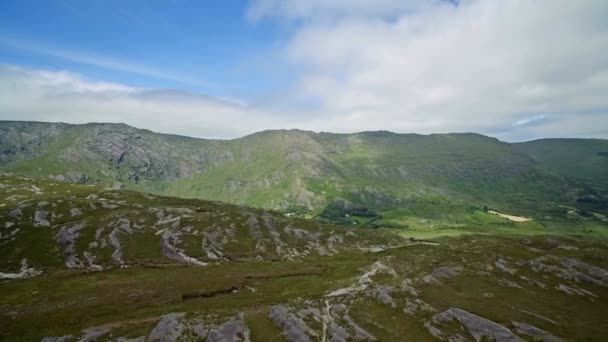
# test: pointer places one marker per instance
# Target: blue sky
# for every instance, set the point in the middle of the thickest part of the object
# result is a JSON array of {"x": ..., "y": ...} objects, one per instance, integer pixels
[
  {"x": 203, "y": 46},
  {"x": 513, "y": 69}
]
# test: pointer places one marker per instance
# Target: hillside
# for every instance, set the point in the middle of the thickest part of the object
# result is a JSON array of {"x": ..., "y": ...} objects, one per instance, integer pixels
[
  {"x": 432, "y": 176},
  {"x": 85, "y": 263},
  {"x": 583, "y": 160}
]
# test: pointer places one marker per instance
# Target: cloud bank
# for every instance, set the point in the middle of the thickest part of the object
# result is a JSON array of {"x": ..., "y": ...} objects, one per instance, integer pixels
[{"x": 514, "y": 69}]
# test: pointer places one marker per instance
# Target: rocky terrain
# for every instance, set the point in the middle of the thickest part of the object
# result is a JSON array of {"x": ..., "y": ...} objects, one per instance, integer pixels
[{"x": 85, "y": 263}]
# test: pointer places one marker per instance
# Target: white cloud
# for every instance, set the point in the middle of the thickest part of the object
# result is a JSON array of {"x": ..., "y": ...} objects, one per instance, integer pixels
[
  {"x": 528, "y": 120},
  {"x": 434, "y": 67},
  {"x": 100, "y": 61},
  {"x": 40, "y": 95},
  {"x": 514, "y": 69}
]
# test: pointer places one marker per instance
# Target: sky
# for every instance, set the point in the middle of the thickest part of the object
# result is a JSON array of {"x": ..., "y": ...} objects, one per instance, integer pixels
[{"x": 513, "y": 69}]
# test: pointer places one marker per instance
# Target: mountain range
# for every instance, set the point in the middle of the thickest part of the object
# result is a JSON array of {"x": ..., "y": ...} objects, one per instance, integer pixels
[{"x": 307, "y": 172}]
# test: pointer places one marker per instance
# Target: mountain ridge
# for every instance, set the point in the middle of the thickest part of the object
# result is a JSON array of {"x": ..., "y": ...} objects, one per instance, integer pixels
[{"x": 303, "y": 170}]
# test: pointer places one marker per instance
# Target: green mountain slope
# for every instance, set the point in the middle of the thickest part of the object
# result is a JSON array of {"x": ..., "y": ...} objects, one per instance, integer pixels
[
  {"x": 583, "y": 160},
  {"x": 422, "y": 175},
  {"x": 85, "y": 263}
]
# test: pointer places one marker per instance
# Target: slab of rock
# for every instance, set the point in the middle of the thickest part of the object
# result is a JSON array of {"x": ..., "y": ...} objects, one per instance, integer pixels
[
  {"x": 168, "y": 244},
  {"x": 593, "y": 274},
  {"x": 479, "y": 327},
  {"x": 57, "y": 338},
  {"x": 41, "y": 218},
  {"x": 235, "y": 330},
  {"x": 360, "y": 333},
  {"x": 412, "y": 306},
  {"x": 168, "y": 329},
  {"x": 337, "y": 333},
  {"x": 294, "y": 328},
  {"x": 445, "y": 272},
  {"x": 534, "y": 332},
  {"x": 501, "y": 264},
  {"x": 383, "y": 294},
  {"x": 66, "y": 238},
  {"x": 93, "y": 334},
  {"x": 24, "y": 272},
  {"x": 575, "y": 291}
]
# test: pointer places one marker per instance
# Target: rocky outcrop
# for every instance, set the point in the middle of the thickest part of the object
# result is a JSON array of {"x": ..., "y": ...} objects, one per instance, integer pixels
[
  {"x": 535, "y": 333},
  {"x": 24, "y": 272},
  {"x": 479, "y": 327}
]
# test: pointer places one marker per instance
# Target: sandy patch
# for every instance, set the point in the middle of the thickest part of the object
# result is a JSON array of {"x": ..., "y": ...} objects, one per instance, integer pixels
[{"x": 510, "y": 217}]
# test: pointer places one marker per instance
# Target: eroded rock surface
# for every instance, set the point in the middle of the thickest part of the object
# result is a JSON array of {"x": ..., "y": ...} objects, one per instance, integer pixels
[{"x": 480, "y": 328}]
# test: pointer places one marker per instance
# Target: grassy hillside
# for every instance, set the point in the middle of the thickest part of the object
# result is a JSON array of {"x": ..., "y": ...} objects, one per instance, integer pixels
[
  {"x": 439, "y": 176},
  {"x": 85, "y": 263},
  {"x": 583, "y": 160}
]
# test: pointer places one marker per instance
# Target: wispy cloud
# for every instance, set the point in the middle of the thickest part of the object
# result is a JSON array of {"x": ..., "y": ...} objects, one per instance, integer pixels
[
  {"x": 100, "y": 61},
  {"x": 528, "y": 120}
]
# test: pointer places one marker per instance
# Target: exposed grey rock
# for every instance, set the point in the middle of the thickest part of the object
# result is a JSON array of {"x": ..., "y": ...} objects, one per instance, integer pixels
[
  {"x": 575, "y": 291},
  {"x": 509, "y": 283},
  {"x": 41, "y": 218},
  {"x": 478, "y": 327},
  {"x": 16, "y": 213},
  {"x": 593, "y": 274},
  {"x": 75, "y": 212},
  {"x": 433, "y": 330},
  {"x": 106, "y": 205},
  {"x": 445, "y": 272},
  {"x": 364, "y": 281},
  {"x": 412, "y": 306},
  {"x": 256, "y": 233},
  {"x": 214, "y": 240},
  {"x": 334, "y": 241},
  {"x": 534, "y": 332},
  {"x": 90, "y": 258},
  {"x": 360, "y": 333},
  {"x": 274, "y": 234},
  {"x": 501, "y": 264},
  {"x": 122, "y": 225},
  {"x": 235, "y": 330},
  {"x": 541, "y": 317},
  {"x": 168, "y": 329},
  {"x": 533, "y": 281},
  {"x": 199, "y": 330},
  {"x": 93, "y": 334},
  {"x": 66, "y": 338},
  {"x": 337, "y": 333},
  {"x": 24, "y": 272},
  {"x": 169, "y": 241},
  {"x": 457, "y": 338},
  {"x": 134, "y": 339},
  {"x": 383, "y": 293},
  {"x": 408, "y": 287},
  {"x": 294, "y": 328},
  {"x": 66, "y": 238}
]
